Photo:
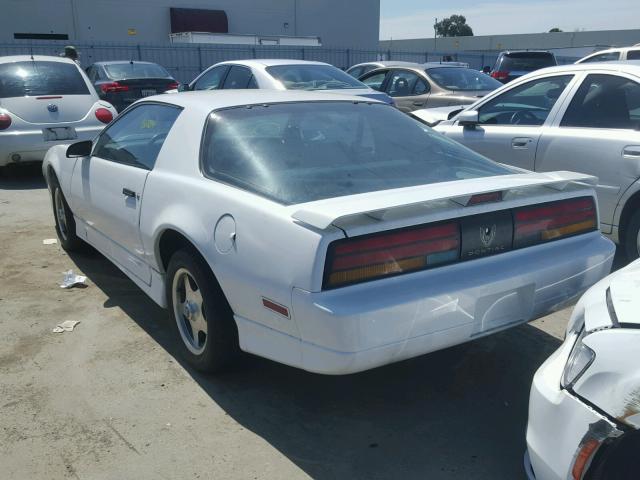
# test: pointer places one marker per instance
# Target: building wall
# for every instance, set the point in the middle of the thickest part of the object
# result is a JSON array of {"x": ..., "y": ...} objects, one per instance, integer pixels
[
  {"x": 563, "y": 41},
  {"x": 148, "y": 20}
]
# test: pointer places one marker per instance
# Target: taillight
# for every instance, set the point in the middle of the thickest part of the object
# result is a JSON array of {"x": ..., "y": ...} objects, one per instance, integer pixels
[
  {"x": 379, "y": 255},
  {"x": 554, "y": 220},
  {"x": 113, "y": 87},
  {"x": 500, "y": 75},
  {"x": 173, "y": 86},
  {"x": 5, "y": 121},
  {"x": 104, "y": 115}
]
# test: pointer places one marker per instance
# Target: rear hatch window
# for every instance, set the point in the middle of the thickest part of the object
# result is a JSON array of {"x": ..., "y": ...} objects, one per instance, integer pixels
[
  {"x": 26, "y": 79},
  {"x": 525, "y": 61},
  {"x": 121, "y": 71},
  {"x": 301, "y": 152}
]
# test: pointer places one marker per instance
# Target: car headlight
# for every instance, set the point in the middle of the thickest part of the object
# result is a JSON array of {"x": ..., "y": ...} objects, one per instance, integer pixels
[{"x": 580, "y": 358}]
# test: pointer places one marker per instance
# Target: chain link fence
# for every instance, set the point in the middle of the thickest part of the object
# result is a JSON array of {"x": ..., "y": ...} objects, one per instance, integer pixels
[{"x": 185, "y": 61}]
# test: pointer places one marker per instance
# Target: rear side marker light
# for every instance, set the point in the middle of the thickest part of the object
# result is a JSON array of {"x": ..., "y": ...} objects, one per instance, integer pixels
[
  {"x": 275, "y": 307},
  {"x": 173, "y": 86},
  {"x": 104, "y": 115},
  {"x": 5, "y": 121},
  {"x": 500, "y": 75},
  {"x": 359, "y": 259},
  {"x": 552, "y": 221}
]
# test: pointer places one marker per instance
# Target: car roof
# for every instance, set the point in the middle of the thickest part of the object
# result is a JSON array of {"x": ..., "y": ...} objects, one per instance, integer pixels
[
  {"x": 631, "y": 66},
  {"x": 507, "y": 52},
  {"x": 35, "y": 58},
  {"x": 269, "y": 62},
  {"x": 207, "y": 100},
  {"x": 118, "y": 62}
]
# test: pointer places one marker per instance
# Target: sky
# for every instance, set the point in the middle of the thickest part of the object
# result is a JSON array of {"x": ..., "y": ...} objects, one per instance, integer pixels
[{"x": 415, "y": 18}]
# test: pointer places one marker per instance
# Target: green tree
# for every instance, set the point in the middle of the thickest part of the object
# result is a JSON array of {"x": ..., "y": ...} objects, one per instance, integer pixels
[
  {"x": 555, "y": 30},
  {"x": 454, "y": 26}
]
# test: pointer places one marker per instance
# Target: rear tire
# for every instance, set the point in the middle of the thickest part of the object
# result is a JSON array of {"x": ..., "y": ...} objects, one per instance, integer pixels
[
  {"x": 632, "y": 237},
  {"x": 201, "y": 314},
  {"x": 65, "y": 223}
]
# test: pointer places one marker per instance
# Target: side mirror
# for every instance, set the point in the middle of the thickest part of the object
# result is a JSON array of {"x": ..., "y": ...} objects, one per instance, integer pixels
[
  {"x": 79, "y": 149},
  {"x": 183, "y": 87},
  {"x": 486, "y": 69},
  {"x": 468, "y": 118}
]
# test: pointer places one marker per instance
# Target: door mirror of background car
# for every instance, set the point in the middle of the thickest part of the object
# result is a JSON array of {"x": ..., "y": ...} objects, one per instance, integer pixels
[
  {"x": 486, "y": 69},
  {"x": 468, "y": 119},
  {"x": 79, "y": 149},
  {"x": 183, "y": 87}
]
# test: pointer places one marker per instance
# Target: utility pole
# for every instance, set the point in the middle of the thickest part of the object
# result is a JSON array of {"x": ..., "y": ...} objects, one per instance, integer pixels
[{"x": 435, "y": 34}]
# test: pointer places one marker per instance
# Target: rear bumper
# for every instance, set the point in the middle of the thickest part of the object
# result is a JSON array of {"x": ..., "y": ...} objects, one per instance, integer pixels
[
  {"x": 30, "y": 145},
  {"x": 363, "y": 326}
]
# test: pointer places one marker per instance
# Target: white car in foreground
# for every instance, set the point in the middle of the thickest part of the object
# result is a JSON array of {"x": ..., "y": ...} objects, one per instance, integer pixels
[
  {"x": 327, "y": 232},
  {"x": 45, "y": 101},
  {"x": 584, "y": 410}
]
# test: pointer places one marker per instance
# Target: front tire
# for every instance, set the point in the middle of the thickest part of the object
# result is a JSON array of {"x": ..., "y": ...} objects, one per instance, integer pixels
[
  {"x": 632, "y": 237},
  {"x": 65, "y": 223},
  {"x": 202, "y": 316}
]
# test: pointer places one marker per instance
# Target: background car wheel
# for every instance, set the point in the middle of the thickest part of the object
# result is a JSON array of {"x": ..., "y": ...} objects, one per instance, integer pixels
[
  {"x": 202, "y": 316},
  {"x": 632, "y": 237},
  {"x": 65, "y": 223}
]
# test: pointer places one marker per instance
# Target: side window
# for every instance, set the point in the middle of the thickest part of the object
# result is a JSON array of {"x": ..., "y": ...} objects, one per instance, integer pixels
[
  {"x": 238, "y": 77},
  {"x": 603, "y": 57},
  {"x": 252, "y": 83},
  {"x": 375, "y": 81},
  {"x": 421, "y": 88},
  {"x": 604, "y": 101},
  {"x": 211, "y": 80},
  {"x": 402, "y": 83},
  {"x": 356, "y": 72},
  {"x": 633, "y": 55},
  {"x": 527, "y": 104},
  {"x": 136, "y": 137}
]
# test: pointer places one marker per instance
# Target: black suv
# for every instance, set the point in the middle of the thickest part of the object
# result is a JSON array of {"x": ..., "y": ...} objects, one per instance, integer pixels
[{"x": 513, "y": 64}]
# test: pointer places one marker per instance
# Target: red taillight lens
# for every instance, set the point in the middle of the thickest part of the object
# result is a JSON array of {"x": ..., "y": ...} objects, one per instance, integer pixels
[
  {"x": 113, "y": 87},
  {"x": 5, "y": 121},
  {"x": 500, "y": 75},
  {"x": 173, "y": 86},
  {"x": 104, "y": 115},
  {"x": 385, "y": 254},
  {"x": 554, "y": 220}
]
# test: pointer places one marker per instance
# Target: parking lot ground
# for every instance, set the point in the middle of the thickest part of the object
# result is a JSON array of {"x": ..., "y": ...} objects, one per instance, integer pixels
[{"x": 113, "y": 400}]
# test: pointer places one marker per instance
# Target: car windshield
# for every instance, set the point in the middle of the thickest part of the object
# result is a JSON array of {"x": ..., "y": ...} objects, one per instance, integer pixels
[
  {"x": 301, "y": 152},
  {"x": 526, "y": 61},
  {"x": 464, "y": 79},
  {"x": 26, "y": 79},
  {"x": 122, "y": 71},
  {"x": 313, "y": 77}
]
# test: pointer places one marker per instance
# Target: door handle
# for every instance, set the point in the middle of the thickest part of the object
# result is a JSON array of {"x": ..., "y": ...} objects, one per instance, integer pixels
[
  {"x": 631, "y": 151},
  {"x": 521, "y": 143},
  {"x": 128, "y": 192},
  {"x": 418, "y": 104}
]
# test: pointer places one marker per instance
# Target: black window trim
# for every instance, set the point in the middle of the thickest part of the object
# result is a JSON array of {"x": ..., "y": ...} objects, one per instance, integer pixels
[{"x": 130, "y": 108}]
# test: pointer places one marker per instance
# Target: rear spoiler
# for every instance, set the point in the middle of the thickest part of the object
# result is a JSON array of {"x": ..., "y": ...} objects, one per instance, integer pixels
[{"x": 322, "y": 213}]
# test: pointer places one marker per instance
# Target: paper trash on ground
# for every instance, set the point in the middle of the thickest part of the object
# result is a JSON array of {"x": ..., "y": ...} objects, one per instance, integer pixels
[
  {"x": 49, "y": 241},
  {"x": 66, "y": 326},
  {"x": 70, "y": 279}
]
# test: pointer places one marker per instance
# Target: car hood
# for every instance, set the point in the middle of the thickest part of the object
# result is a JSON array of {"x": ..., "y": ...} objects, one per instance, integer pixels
[
  {"x": 433, "y": 116},
  {"x": 624, "y": 289}
]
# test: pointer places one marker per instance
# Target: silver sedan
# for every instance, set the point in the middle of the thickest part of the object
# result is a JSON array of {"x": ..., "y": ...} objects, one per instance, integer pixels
[{"x": 583, "y": 118}]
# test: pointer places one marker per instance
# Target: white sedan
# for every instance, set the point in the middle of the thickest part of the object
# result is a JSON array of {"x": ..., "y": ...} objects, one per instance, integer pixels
[
  {"x": 327, "y": 232},
  {"x": 584, "y": 409},
  {"x": 45, "y": 101},
  {"x": 280, "y": 74}
]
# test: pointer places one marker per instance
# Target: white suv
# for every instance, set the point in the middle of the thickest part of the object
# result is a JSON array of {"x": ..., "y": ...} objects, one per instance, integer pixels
[{"x": 613, "y": 55}]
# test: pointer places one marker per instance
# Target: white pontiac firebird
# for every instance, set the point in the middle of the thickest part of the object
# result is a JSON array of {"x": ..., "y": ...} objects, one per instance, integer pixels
[{"x": 328, "y": 232}]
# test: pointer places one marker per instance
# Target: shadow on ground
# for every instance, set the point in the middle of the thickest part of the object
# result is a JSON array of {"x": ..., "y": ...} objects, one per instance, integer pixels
[
  {"x": 22, "y": 177},
  {"x": 458, "y": 413}
]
